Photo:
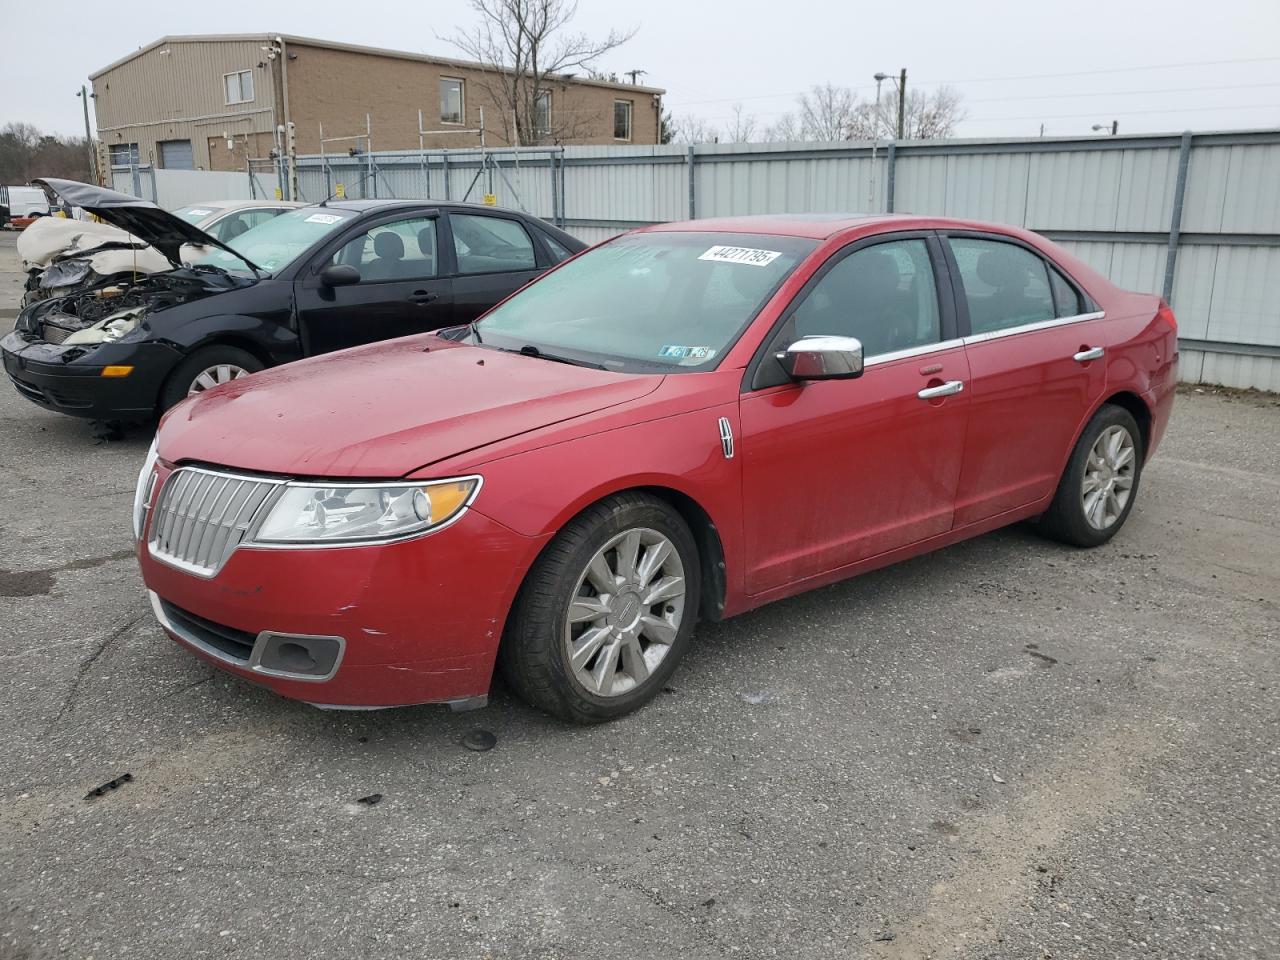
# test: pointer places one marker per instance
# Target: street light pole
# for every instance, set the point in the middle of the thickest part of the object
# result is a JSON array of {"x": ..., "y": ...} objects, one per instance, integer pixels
[
  {"x": 902, "y": 102},
  {"x": 88, "y": 137}
]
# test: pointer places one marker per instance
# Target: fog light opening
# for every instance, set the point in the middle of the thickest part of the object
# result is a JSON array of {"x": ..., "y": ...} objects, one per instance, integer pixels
[{"x": 294, "y": 657}]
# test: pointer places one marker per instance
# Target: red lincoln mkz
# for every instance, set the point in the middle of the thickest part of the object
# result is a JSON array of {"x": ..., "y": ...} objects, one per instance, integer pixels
[{"x": 687, "y": 421}]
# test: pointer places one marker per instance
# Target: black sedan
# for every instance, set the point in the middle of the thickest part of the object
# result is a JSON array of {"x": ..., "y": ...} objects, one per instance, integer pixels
[{"x": 312, "y": 280}]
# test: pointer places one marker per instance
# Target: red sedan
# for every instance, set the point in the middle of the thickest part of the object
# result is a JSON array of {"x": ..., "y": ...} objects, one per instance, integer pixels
[{"x": 685, "y": 422}]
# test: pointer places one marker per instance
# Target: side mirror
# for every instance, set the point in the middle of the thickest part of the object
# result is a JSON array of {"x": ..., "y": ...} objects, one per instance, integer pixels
[
  {"x": 339, "y": 275},
  {"x": 823, "y": 358}
]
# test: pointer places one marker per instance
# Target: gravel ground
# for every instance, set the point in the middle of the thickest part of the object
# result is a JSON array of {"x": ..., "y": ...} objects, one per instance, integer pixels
[{"x": 1007, "y": 749}]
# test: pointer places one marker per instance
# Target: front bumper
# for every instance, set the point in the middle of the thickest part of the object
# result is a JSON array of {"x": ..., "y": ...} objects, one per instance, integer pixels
[
  {"x": 417, "y": 621},
  {"x": 69, "y": 379}
]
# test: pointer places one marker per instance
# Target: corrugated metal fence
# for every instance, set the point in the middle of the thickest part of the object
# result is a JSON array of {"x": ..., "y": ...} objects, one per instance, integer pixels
[{"x": 1194, "y": 216}]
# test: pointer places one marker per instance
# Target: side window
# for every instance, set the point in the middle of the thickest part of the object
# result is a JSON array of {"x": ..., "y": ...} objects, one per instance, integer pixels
[
  {"x": 1065, "y": 296},
  {"x": 554, "y": 247},
  {"x": 490, "y": 244},
  {"x": 1004, "y": 285},
  {"x": 884, "y": 295},
  {"x": 400, "y": 250}
]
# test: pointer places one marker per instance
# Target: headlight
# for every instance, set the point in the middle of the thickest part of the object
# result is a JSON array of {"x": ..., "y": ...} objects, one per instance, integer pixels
[
  {"x": 142, "y": 495},
  {"x": 324, "y": 513}
]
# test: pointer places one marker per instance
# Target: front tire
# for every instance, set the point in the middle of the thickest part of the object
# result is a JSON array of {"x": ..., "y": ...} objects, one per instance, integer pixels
[
  {"x": 208, "y": 367},
  {"x": 606, "y": 612},
  {"x": 1100, "y": 484}
]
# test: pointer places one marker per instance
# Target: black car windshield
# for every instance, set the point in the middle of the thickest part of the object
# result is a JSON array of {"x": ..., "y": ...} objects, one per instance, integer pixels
[
  {"x": 663, "y": 300},
  {"x": 276, "y": 243}
]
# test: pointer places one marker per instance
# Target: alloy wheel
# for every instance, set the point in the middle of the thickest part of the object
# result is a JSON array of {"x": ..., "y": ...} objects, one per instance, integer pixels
[
  {"x": 1108, "y": 477},
  {"x": 211, "y": 377},
  {"x": 625, "y": 612}
]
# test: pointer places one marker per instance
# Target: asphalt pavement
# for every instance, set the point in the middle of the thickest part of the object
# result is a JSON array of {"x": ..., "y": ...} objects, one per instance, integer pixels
[{"x": 1007, "y": 749}]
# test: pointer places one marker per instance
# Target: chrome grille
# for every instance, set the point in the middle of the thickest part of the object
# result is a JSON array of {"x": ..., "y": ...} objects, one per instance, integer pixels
[{"x": 202, "y": 516}]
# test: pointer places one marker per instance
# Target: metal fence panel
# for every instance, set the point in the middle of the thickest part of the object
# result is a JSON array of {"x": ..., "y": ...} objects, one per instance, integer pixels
[{"x": 1113, "y": 201}]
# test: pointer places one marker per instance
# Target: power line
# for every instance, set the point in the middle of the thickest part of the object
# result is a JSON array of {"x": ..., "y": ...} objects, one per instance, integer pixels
[
  {"x": 1124, "y": 113},
  {"x": 1034, "y": 76},
  {"x": 1122, "y": 93}
]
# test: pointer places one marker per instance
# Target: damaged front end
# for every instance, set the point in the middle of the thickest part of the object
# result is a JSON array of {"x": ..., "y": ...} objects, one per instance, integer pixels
[{"x": 107, "y": 313}]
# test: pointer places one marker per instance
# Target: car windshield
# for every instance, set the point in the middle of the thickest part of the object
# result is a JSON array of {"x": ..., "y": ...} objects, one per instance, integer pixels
[
  {"x": 673, "y": 301},
  {"x": 279, "y": 241},
  {"x": 195, "y": 214}
]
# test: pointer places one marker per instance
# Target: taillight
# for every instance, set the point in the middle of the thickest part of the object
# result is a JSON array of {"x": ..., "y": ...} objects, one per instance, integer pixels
[{"x": 1165, "y": 313}]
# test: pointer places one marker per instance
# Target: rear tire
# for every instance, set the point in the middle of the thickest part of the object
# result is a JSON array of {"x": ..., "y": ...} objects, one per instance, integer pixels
[
  {"x": 582, "y": 643},
  {"x": 204, "y": 369},
  {"x": 1100, "y": 483}
]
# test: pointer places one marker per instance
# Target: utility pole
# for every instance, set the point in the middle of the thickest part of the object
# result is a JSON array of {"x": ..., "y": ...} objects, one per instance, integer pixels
[
  {"x": 902, "y": 103},
  {"x": 633, "y": 74},
  {"x": 88, "y": 137}
]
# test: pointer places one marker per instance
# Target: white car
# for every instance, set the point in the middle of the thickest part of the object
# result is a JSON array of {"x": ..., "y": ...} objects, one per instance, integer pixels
[{"x": 61, "y": 255}]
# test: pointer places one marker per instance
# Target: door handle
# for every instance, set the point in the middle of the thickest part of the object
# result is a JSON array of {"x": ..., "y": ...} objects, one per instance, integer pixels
[
  {"x": 947, "y": 389},
  {"x": 423, "y": 296},
  {"x": 1084, "y": 356}
]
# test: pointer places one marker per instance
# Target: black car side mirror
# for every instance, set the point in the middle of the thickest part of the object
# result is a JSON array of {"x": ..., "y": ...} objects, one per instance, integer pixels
[{"x": 339, "y": 275}]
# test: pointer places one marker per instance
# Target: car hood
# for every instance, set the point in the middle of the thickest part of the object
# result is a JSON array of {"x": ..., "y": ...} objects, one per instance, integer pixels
[
  {"x": 385, "y": 410},
  {"x": 51, "y": 238},
  {"x": 142, "y": 218}
]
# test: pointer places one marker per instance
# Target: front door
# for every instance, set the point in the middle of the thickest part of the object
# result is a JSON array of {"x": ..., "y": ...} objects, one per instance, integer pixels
[
  {"x": 1036, "y": 370},
  {"x": 495, "y": 257},
  {"x": 400, "y": 291},
  {"x": 843, "y": 470}
]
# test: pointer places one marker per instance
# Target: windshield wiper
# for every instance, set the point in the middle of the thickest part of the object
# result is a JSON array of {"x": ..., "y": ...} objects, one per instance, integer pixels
[
  {"x": 475, "y": 331},
  {"x": 529, "y": 350}
]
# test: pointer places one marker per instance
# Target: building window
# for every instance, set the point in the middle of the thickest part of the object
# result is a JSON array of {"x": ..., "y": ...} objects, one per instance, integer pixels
[
  {"x": 238, "y": 86},
  {"x": 452, "y": 109},
  {"x": 124, "y": 154},
  {"x": 542, "y": 114},
  {"x": 622, "y": 119}
]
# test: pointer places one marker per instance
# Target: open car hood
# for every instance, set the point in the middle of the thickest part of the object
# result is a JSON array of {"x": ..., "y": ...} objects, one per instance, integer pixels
[{"x": 142, "y": 218}]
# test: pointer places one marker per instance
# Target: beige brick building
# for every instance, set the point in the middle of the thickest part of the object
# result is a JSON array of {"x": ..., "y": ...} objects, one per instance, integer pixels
[{"x": 212, "y": 102}]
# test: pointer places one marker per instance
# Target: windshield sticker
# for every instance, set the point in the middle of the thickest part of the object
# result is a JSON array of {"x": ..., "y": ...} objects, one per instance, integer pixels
[
  {"x": 747, "y": 255},
  {"x": 199, "y": 213},
  {"x": 323, "y": 218},
  {"x": 686, "y": 355}
]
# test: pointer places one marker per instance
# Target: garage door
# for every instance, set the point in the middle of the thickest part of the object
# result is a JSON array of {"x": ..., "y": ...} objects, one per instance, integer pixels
[{"x": 176, "y": 155}]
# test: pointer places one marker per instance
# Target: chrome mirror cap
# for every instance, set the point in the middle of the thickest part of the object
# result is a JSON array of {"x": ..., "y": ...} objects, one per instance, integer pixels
[{"x": 823, "y": 358}]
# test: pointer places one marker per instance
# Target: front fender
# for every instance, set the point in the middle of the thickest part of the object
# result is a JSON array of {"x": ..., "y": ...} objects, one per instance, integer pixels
[{"x": 537, "y": 492}]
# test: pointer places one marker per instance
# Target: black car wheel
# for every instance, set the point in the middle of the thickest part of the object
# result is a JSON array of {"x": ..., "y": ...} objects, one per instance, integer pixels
[
  {"x": 1100, "y": 483},
  {"x": 207, "y": 368},
  {"x": 606, "y": 613}
]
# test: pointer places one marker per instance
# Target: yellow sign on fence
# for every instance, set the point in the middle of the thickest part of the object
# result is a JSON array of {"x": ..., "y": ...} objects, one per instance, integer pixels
[
  {"x": 491, "y": 200},
  {"x": 341, "y": 191}
]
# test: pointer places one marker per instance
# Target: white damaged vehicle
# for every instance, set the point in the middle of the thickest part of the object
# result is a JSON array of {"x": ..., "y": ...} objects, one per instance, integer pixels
[{"x": 61, "y": 256}]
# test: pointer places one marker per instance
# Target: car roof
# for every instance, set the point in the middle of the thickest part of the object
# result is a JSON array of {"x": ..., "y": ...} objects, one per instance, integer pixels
[
  {"x": 819, "y": 226},
  {"x": 364, "y": 206}
]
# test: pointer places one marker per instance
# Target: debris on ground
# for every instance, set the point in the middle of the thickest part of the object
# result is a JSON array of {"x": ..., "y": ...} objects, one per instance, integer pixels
[
  {"x": 479, "y": 740},
  {"x": 997, "y": 778},
  {"x": 370, "y": 800},
  {"x": 110, "y": 785}
]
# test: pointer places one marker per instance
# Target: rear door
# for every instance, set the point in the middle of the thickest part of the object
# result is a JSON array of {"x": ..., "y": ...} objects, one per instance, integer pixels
[
  {"x": 403, "y": 288},
  {"x": 839, "y": 471},
  {"x": 1036, "y": 367},
  {"x": 496, "y": 256}
]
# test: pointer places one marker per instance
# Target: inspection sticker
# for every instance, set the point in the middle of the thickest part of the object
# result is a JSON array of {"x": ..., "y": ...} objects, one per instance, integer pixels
[
  {"x": 748, "y": 255},
  {"x": 671, "y": 351},
  {"x": 323, "y": 218}
]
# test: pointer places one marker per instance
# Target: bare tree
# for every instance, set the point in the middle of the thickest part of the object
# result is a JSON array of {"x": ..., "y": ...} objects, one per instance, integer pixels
[
  {"x": 785, "y": 129},
  {"x": 929, "y": 116},
  {"x": 742, "y": 127},
  {"x": 687, "y": 128},
  {"x": 26, "y": 152},
  {"x": 827, "y": 112},
  {"x": 525, "y": 47}
]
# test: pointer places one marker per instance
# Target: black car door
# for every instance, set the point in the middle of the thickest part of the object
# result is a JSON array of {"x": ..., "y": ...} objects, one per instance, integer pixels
[
  {"x": 402, "y": 288},
  {"x": 495, "y": 257}
]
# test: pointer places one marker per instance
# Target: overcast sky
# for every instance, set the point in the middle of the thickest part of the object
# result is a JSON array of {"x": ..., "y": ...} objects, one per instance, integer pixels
[{"x": 1153, "y": 65}]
